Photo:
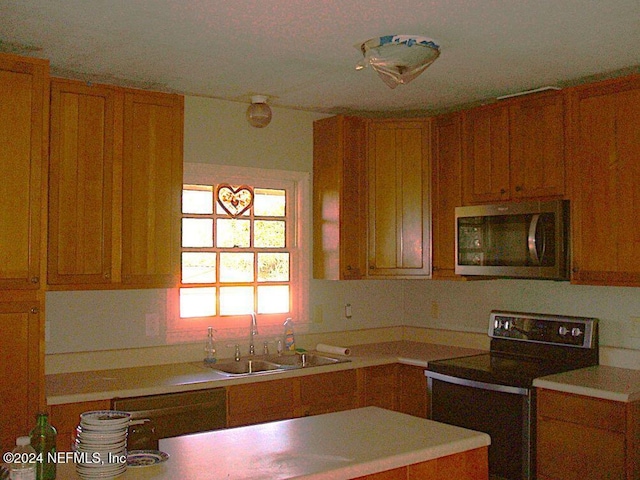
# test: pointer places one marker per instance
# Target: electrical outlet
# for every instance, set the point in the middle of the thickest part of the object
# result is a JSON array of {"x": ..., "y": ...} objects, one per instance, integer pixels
[
  {"x": 317, "y": 314},
  {"x": 635, "y": 327},
  {"x": 435, "y": 309},
  {"x": 152, "y": 324}
]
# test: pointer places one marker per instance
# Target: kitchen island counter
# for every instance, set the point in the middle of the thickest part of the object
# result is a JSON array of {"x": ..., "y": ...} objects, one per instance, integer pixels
[{"x": 335, "y": 446}]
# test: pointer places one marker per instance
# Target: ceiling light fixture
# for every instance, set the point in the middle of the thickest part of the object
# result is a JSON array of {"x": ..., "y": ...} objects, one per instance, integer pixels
[
  {"x": 398, "y": 59},
  {"x": 259, "y": 113}
]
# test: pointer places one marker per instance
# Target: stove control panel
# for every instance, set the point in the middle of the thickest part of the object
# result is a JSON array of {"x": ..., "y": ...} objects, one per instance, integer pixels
[{"x": 541, "y": 328}]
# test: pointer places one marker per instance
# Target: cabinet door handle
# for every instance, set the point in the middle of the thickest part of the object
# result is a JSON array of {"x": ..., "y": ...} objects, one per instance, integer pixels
[
  {"x": 519, "y": 188},
  {"x": 35, "y": 280},
  {"x": 34, "y": 310},
  {"x": 502, "y": 191}
]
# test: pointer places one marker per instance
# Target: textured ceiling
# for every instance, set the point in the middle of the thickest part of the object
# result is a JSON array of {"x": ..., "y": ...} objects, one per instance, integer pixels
[{"x": 301, "y": 53}]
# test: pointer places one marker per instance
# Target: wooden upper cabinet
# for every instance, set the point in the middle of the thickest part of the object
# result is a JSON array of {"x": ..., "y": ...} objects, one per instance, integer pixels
[
  {"x": 339, "y": 198},
  {"x": 115, "y": 187},
  {"x": 83, "y": 133},
  {"x": 447, "y": 192},
  {"x": 515, "y": 150},
  {"x": 486, "y": 155},
  {"x": 152, "y": 188},
  {"x": 399, "y": 216},
  {"x": 24, "y": 87},
  {"x": 538, "y": 147},
  {"x": 605, "y": 181}
]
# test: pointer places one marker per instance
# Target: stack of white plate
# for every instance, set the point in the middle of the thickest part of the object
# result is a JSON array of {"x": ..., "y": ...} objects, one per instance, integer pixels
[{"x": 101, "y": 444}]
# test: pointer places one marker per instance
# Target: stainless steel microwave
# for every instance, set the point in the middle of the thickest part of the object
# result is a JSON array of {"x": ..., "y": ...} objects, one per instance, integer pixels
[{"x": 515, "y": 240}]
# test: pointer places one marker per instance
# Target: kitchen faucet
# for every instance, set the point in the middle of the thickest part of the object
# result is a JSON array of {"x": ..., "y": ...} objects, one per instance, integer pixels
[{"x": 254, "y": 332}]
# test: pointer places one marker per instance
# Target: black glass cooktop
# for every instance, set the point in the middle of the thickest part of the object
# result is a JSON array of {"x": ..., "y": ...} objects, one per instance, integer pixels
[{"x": 503, "y": 369}]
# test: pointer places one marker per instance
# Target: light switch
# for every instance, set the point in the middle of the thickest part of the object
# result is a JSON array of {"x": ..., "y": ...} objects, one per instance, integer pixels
[
  {"x": 152, "y": 324},
  {"x": 635, "y": 327}
]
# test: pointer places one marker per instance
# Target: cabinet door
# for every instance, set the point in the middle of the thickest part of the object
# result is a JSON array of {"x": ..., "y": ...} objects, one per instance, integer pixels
[
  {"x": 485, "y": 161},
  {"x": 412, "y": 391},
  {"x": 329, "y": 392},
  {"x": 447, "y": 192},
  {"x": 20, "y": 369},
  {"x": 23, "y": 152},
  {"x": 605, "y": 179},
  {"x": 537, "y": 147},
  {"x": 381, "y": 386},
  {"x": 339, "y": 198},
  {"x": 151, "y": 189},
  {"x": 83, "y": 131},
  {"x": 399, "y": 198},
  {"x": 260, "y": 402}
]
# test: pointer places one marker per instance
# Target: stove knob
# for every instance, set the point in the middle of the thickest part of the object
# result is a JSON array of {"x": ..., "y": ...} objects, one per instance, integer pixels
[
  {"x": 576, "y": 332},
  {"x": 563, "y": 331}
]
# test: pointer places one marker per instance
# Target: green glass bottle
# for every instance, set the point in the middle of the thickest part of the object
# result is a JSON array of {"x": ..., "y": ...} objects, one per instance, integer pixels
[{"x": 43, "y": 440}]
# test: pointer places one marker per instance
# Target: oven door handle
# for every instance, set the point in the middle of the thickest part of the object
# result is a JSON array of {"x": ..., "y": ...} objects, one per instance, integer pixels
[{"x": 475, "y": 384}]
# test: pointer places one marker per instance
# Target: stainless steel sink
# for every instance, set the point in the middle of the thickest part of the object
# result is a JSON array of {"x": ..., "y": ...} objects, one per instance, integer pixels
[
  {"x": 304, "y": 360},
  {"x": 245, "y": 367},
  {"x": 272, "y": 364}
]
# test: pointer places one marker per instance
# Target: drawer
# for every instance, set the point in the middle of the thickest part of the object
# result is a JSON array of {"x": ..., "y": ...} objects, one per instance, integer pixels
[{"x": 583, "y": 410}]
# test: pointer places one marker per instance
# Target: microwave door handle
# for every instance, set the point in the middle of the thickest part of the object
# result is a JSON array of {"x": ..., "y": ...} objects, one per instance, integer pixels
[{"x": 531, "y": 240}]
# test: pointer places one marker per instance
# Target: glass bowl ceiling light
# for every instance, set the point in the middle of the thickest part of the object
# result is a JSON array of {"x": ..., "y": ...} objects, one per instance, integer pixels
[
  {"x": 398, "y": 59},
  {"x": 259, "y": 113}
]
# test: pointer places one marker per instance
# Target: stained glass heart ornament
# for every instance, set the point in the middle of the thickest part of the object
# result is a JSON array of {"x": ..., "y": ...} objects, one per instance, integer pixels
[{"x": 234, "y": 200}]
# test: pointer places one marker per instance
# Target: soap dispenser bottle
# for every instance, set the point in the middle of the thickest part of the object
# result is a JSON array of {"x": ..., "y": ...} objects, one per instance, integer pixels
[
  {"x": 210, "y": 347},
  {"x": 289, "y": 339}
]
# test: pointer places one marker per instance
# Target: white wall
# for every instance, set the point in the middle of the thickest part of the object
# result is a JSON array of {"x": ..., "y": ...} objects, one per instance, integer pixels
[{"x": 217, "y": 132}]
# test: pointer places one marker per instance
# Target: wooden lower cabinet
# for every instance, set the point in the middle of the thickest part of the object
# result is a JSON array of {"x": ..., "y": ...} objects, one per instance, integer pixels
[
  {"x": 396, "y": 387},
  {"x": 469, "y": 465},
  {"x": 584, "y": 437},
  {"x": 412, "y": 391},
  {"x": 259, "y": 402},
  {"x": 329, "y": 392},
  {"x": 66, "y": 417},
  {"x": 381, "y": 386}
]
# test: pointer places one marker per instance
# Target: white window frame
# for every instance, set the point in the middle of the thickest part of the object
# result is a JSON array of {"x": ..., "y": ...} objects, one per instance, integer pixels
[{"x": 299, "y": 235}]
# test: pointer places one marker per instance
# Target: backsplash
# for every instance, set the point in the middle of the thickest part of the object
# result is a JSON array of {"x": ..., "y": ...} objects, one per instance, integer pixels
[{"x": 112, "y": 320}]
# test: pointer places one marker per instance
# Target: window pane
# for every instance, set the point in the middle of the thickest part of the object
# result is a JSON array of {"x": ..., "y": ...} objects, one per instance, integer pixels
[
  {"x": 274, "y": 299},
  {"x": 236, "y": 267},
  {"x": 197, "y": 232},
  {"x": 198, "y": 267},
  {"x": 197, "y": 302},
  {"x": 236, "y": 300},
  {"x": 269, "y": 203},
  {"x": 197, "y": 199},
  {"x": 273, "y": 267},
  {"x": 233, "y": 233},
  {"x": 269, "y": 233}
]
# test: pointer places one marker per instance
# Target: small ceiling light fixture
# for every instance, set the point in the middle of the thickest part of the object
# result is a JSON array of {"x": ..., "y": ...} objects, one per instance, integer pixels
[
  {"x": 259, "y": 113},
  {"x": 398, "y": 59}
]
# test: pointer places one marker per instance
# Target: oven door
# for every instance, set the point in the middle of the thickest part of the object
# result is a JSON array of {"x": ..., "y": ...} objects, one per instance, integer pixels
[{"x": 503, "y": 412}]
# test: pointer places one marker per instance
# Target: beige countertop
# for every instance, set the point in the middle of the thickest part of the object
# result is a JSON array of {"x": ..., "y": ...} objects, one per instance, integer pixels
[
  {"x": 176, "y": 377},
  {"x": 334, "y": 446},
  {"x": 609, "y": 383}
]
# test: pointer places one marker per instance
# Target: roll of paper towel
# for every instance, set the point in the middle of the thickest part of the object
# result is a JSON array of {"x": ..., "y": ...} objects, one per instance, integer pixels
[{"x": 321, "y": 347}]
